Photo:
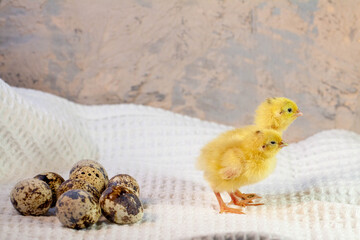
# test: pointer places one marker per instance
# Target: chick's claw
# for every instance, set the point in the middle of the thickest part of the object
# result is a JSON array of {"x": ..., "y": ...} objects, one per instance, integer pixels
[
  {"x": 254, "y": 204},
  {"x": 245, "y": 203}
]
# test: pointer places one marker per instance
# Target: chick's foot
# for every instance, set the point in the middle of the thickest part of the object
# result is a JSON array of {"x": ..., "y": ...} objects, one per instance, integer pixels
[
  {"x": 249, "y": 196},
  {"x": 243, "y": 202},
  {"x": 224, "y": 208}
]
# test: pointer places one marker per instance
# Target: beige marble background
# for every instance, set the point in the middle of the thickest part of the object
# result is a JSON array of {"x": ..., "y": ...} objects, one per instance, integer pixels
[{"x": 215, "y": 60}]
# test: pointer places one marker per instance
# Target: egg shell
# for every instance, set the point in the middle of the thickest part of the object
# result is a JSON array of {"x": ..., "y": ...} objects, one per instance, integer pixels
[
  {"x": 77, "y": 209},
  {"x": 31, "y": 197},
  {"x": 90, "y": 163},
  {"x": 54, "y": 180},
  {"x": 121, "y": 205},
  {"x": 91, "y": 175},
  {"x": 71, "y": 184},
  {"x": 126, "y": 181}
]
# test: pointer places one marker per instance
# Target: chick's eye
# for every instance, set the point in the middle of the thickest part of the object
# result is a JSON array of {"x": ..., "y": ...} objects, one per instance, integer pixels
[
  {"x": 272, "y": 142},
  {"x": 289, "y": 109}
]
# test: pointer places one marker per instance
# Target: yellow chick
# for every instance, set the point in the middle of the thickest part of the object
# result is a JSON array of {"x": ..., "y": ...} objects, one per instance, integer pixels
[
  {"x": 274, "y": 113},
  {"x": 277, "y": 113},
  {"x": 231, "y": 162}
]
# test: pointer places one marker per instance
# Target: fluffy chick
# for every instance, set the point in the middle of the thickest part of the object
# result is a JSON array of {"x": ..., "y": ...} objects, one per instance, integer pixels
[
  {"x": 274, "y": 113},
  {"x": 231, "y": 162}
]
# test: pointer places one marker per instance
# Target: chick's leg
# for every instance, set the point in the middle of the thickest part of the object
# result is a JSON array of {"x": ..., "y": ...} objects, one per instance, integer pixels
[
  {"x": 246, "y": 196},
  {"x": 244, "y": 202},
  {"x": 224, "y": 208}
]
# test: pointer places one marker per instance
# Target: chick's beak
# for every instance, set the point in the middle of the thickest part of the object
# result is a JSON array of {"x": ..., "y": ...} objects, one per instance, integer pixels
[
  {"x": 298, "y": 113},
  {"x": 282, "y": 144}
]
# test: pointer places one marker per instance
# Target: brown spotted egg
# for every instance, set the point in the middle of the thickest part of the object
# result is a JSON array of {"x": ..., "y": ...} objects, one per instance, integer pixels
[
  {"x": 126, "y": 181},
  {"x": 91, "y": 175},
  {"x": 54, "y": 180},
  {"x": 31, "y": 197},
  {"x": 77, "y": 209},
  {"x": 120, "y": 205},
  {"x": 90, "y": 163},
  {"x": 71, "y": 184}
]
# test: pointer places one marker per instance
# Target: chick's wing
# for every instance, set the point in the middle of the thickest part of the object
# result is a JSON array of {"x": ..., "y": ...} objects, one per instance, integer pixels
[{"x": 231, "y": 164}]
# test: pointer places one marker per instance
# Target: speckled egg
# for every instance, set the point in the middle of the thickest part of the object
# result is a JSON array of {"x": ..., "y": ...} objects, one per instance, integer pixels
[
  {"x": 126, "y": 181},
  {"x": 54, "y": 180},
  {"x": 91, "y": 175},
  {"x": 121, "y": 205},
  {"x": 90, "y": 163},
  {"x": 71, "y": 184},
  {"x": 31, "y": 197},
  {"x": 77, "y": 209}
]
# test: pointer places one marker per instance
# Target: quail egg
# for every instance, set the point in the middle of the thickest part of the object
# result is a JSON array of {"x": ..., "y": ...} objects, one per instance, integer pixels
[
  {"x": 77, "y": 209},
  {"x": 126, "y": 181},
  {"x": 53, "y": 180},
  {"x": 90, "y": 163},
  {"x": 31, "y": 197},
  {"x": 91, "y": 175},
  {"x": 71, "y": 184},
  {"x": 120, "y": 205}
]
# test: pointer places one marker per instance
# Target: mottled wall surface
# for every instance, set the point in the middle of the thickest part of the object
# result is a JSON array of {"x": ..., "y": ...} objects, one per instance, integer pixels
[{"x": 215, "y": 60}]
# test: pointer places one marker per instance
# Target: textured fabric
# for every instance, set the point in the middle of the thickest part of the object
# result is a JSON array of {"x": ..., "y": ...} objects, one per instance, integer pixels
[
  {"x": 313, "y": 193},
  {"x": 39, "y": 132},
  {"x": 239, "y": 236}
]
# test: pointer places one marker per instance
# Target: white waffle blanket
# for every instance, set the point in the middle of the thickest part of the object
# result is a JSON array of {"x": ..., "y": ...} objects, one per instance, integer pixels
[{"x": 314, "y": 192}]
